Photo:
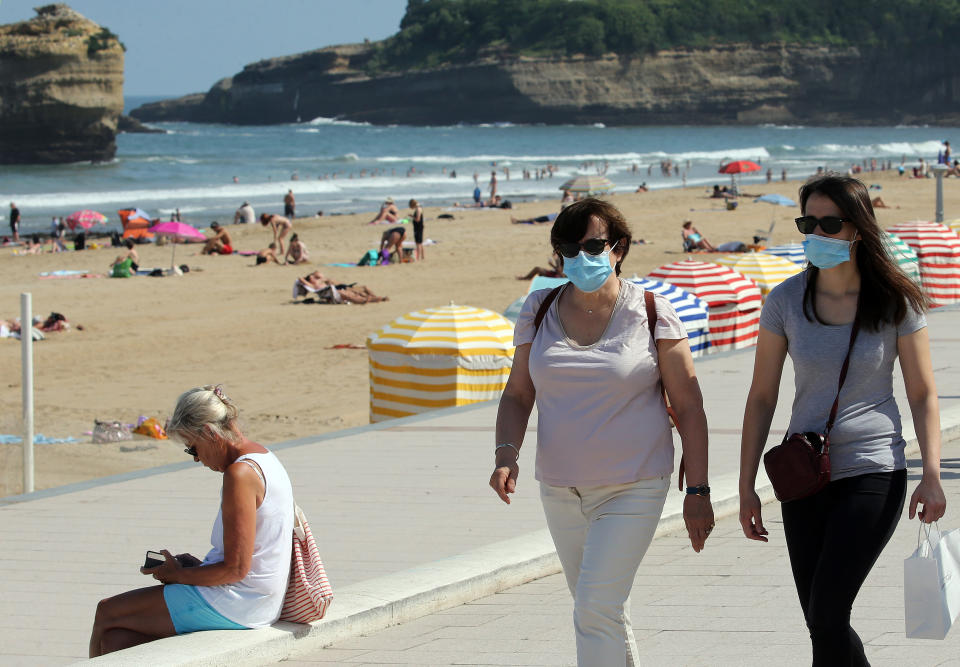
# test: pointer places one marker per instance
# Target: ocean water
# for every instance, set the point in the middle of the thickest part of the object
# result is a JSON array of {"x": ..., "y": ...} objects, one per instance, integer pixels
[{"x": 343, "y": 167}]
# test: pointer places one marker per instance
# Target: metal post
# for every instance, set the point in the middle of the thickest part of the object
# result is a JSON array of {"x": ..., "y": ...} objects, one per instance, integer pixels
[
  {"x": 939, "y": 170},
  {"x": 26, "y": 353}
]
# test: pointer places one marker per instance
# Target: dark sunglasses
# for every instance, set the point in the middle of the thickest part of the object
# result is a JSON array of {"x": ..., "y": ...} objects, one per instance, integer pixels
[
  {"x": 590, "y": 246},
  {"x": 192, "y": 451},
  {"x": 829, "y": 224}
]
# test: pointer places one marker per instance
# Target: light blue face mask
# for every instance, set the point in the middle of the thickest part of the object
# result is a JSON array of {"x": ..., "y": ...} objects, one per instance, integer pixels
[
  {"x": 826, "y": 253},
  {"x": 588, "y": 272}
]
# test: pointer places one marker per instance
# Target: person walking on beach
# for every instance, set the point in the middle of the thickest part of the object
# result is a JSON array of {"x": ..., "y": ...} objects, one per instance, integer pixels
[
  {"x": 854, "y": 297},
  {"x": 289, "y": 205},
  {"x": 604, "y": 445},
  {"x": 280, "y": 226},
  {"x": 417, "y": 219},
  {"x": 15, "y": 222},
  {"x": 493, "y": 184}
]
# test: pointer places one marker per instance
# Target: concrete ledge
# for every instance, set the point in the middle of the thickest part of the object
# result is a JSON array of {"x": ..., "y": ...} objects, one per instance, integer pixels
[{"x": 378, "y": 603}]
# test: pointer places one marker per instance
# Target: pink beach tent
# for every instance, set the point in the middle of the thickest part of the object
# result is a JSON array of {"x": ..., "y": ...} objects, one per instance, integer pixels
[
  {"x": 938, "y": 249},
  {"x": 733, "y": 300}
]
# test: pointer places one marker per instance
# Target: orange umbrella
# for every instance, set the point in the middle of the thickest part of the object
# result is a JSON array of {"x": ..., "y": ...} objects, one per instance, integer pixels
[{"x": 135, "y": 224}]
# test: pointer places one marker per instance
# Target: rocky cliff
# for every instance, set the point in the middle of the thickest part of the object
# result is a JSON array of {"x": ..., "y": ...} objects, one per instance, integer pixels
[
  {"x": 61, "y": 89},
  {"x": 733, "y": 84}
]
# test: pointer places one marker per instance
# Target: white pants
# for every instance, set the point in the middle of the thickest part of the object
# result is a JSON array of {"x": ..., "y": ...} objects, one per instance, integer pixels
[{"x": 601, "y": 534}]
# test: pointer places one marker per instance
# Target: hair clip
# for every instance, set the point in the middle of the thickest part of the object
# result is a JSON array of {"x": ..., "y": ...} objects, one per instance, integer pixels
[{"x": 218, "y": 390}]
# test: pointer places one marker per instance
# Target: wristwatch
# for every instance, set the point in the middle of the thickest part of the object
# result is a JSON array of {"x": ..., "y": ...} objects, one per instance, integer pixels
[{"x": 699, "y": 490}]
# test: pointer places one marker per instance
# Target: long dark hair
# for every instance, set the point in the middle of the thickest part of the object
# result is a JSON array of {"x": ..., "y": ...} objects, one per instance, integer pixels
[
  {"x": 571, "y": 225},
  {"x": 885, "y": 290}
]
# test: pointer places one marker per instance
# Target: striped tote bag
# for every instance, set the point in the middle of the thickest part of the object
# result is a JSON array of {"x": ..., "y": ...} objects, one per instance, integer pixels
[{"x": 308, "y": 591}]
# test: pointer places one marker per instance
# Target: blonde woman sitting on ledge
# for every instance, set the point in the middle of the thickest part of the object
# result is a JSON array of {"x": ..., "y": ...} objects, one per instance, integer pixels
[{"x": 241, "y": 582}]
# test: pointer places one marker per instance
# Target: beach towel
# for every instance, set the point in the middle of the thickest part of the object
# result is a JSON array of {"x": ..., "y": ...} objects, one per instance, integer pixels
[
  {"x": 74, "y": 276},
  {"x": 38, "y": 439}
]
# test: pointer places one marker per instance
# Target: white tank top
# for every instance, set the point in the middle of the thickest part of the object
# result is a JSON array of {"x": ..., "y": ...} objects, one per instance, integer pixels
[{"x": 255, "y": 600}]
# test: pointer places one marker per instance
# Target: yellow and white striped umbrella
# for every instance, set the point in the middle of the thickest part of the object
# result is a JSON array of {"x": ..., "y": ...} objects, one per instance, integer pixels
[
  {"x": 954, "y": 225},
  {"x": 438, "y": 358},
  {"x": 766, "y": 270}
]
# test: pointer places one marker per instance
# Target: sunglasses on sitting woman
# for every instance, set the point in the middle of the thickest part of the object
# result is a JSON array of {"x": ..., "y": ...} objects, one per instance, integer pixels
[
  {"x": 829, "y": 224},
  {"x": 590, "y": 246},
  {"x": 192, "y": 451}
]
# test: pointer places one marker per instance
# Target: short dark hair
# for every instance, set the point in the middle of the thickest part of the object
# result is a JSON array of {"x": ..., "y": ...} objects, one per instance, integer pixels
[
  {"x": 572, "y": 223},
  {"x": 215, "y": 224},
  {"x": 129, "y": 244}
]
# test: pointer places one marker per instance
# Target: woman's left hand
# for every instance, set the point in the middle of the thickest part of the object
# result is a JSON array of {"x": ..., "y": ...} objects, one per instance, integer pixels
[
  {"x": 930, "y": 494},
  {"x": 698, "y": 515},
  {"x": 166, "y": 573}
]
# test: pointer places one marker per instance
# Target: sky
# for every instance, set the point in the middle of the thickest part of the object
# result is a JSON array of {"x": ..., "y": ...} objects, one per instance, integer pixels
[{"x": 175, "y": 47}]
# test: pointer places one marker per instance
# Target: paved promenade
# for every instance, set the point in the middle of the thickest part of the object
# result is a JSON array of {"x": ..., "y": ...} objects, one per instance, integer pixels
[
  {"x": 732, "y": 604},
  {"x": 405, "y": 521}
]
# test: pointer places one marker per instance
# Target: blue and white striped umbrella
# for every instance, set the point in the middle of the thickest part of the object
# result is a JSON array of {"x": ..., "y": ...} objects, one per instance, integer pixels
[
  {"x": 691, "y": 310},
  {"x": 791, "y": 251}
]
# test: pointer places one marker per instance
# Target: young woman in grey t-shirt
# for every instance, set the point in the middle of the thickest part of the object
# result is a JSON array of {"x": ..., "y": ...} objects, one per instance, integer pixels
[{"x": 836, "y": 535}]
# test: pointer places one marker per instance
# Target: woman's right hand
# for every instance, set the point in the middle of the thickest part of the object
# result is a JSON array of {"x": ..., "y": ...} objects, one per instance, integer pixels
[
  {"x": 504, "y": 477},
  {"x": 750, "y": 520}
]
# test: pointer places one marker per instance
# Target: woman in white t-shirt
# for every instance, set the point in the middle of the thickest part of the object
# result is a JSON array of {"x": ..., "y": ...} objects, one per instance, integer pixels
[
  {"x": 241, "y": 582},
  {"x": 604, "y": 443}
]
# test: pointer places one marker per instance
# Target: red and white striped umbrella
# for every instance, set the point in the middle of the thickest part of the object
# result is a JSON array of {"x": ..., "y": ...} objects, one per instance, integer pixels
[
  {"x": 733, "y": 300},
  {"x": 938, "y": 249}
]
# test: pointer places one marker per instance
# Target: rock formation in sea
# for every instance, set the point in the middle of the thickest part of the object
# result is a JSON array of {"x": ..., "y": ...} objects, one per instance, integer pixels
[
  {"x": 733, "y": 84},
  {"x": 61, "y": 89}
]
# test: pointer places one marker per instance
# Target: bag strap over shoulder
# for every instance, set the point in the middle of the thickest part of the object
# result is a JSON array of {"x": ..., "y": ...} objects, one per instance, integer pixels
[
  {"x": 843, "y": 376},
  {"x": 544, "y": 307},
  {"x": 651, "y": 304}
]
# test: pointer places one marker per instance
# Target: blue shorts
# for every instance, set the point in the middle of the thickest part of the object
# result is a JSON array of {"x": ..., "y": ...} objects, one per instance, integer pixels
[{"x": 190, "y": 612}]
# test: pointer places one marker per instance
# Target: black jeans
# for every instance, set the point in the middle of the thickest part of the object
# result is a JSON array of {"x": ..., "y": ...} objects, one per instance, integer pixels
[{"x": 834, "y": 537}]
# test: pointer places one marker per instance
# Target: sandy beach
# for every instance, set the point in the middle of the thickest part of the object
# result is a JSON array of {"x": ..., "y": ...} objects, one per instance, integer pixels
[{"x": 145, "y": 340}]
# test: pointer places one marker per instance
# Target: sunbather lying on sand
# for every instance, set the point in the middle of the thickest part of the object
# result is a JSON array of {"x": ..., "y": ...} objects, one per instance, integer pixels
[
  {"x": 553, "y": 272},
  {"x": 340, "y": 292},
  {"x": 530, "y": 221}
]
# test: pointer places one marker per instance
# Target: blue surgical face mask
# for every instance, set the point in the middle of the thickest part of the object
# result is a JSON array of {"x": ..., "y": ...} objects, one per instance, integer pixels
[
  {"x": 588, "y": 272},
  {"x": 826, "y": 253}
]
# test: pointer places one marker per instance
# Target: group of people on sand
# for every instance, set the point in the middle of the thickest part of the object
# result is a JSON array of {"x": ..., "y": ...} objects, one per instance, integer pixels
[{"x": 391, "y": 241}]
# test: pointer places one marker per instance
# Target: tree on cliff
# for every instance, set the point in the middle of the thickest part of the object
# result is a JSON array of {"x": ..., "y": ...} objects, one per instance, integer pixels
[{"x": 437, "y": 32}]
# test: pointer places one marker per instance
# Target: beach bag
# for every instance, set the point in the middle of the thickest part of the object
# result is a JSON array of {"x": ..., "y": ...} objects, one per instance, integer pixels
[
  {"x": 931, "y": 584},
  {"x": 308, "y": 590},
  {"x": 151, "y": 428},
  {"x": 114, "y": 431},
  {"x": 800, "y": 465}
]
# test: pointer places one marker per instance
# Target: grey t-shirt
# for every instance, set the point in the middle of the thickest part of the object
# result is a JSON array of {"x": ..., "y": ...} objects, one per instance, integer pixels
[{"x": 866, "y": 436}]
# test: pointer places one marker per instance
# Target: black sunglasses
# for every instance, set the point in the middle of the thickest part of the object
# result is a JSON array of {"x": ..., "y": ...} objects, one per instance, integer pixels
[
  {"x": 829, "y": 224},
  {"x": 590, "y": 246},
  {"x": 192, "y": 451}
]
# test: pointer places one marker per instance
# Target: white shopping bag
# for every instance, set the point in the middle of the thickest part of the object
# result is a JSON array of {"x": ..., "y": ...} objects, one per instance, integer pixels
[{"x": 931, "y": 584}]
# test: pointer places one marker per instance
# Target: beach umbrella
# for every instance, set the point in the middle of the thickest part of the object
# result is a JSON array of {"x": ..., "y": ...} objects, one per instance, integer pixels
[
  {"x": 539, "y": 282},
  {"x": 693, "y": 312},
  {"x": 588, "y": 184},
  {"x": 733, "y": 301},
  {"x": 789, "y": 251},
  {"x": 177, "y": 232},
  {"x": 903, "y": 255},
  {"x": 135, "y": 223},
  {"x": 85, "y": 218},
  {"x": 938, "y": 251},
  {"x": 767, "y": 271},
  {"x": 954, "y": 225},
  {"x": 739, "y": 167},
  {"x": 438, "y": 358},
  {"x": 513, "y": 310},
  {"x": 777, "y": 200}
]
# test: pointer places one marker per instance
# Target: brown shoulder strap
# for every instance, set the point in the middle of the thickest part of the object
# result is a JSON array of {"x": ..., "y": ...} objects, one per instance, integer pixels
[
  {"x": 544, "y": 307},
  {"x": 651, "y": 304}
]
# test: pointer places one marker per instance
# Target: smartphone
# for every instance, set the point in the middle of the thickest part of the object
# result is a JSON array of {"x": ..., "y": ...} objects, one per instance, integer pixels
[{"x": 154, "y": 559}]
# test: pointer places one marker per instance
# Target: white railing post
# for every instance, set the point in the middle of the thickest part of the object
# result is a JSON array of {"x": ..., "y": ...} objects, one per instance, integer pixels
[
  {"x": 26, "y": 348},
  {"x": 939, "y": 170}
]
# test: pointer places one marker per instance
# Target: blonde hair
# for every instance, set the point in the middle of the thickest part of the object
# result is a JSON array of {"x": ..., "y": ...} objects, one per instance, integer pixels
[{"x": 205, "y": 406}]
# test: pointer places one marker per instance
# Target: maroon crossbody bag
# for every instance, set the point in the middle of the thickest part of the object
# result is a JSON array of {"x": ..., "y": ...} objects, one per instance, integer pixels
[
  {"x": 800, "y": 465},
  {"x": 649, "y": 302}
]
